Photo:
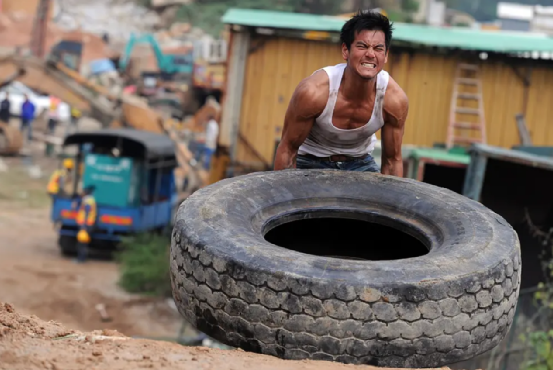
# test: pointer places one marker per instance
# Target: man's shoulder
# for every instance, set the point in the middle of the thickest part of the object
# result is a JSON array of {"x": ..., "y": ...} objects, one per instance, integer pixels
[
  {"x": 395, "y": 97},
  {"x": 396, "y": 103},
  {"x": 318, "y": 82},
  {"x": 312, "y": 93}
]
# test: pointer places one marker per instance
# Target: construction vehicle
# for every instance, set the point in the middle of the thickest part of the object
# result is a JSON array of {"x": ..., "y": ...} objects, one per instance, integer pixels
[
  {"x": 167, "y": 63},
  {"x": 132, "y": 173}
]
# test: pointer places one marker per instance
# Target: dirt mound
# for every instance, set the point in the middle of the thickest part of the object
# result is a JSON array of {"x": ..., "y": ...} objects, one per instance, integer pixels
[{"x": 28, "y": 343}]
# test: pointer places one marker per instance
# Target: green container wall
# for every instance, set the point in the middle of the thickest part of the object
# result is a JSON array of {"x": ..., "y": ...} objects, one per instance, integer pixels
[{"x": 117, "y": 180}]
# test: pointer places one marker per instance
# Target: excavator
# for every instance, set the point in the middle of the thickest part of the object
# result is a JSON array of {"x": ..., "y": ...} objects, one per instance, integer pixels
[{"x": 52, "y": 77}]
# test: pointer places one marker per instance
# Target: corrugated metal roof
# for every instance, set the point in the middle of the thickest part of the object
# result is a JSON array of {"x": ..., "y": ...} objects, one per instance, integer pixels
[{"x": 449, "y": 37}]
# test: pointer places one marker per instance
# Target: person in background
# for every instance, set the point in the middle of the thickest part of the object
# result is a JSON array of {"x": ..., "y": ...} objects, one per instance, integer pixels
[
  {"x": 86, "y": 219},
  {"x": 211, "y": 134},
  {"x": 53, "y": 114},
  {"x": 5, "y": 109},
  {"x": 27, "y": 116},
  {"x": 60, "y": 178},
  {"x": 75, "y": 116},
  {"x": 73, "y": 123}
]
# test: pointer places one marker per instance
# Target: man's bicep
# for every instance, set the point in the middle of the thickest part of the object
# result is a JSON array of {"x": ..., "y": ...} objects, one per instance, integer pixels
[
  {"x": 296, "y": 129},
  {"x": 299, "y": 118},
  {"x": 394, "y": 127}
]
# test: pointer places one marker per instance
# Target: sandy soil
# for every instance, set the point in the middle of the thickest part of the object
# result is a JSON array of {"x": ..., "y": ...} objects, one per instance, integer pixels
[{"x": 28, "y": 343}]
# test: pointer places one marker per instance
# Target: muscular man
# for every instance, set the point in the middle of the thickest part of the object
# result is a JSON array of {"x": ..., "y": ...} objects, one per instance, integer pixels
[{"x": 334, "y": 113}]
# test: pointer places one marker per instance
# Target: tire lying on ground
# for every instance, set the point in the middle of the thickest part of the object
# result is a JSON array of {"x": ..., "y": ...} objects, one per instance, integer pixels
[{"x": 344, "y": 266}]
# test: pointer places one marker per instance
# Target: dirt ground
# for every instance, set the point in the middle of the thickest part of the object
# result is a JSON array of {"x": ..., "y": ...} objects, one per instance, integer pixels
[{"x": 28, "y": 343}]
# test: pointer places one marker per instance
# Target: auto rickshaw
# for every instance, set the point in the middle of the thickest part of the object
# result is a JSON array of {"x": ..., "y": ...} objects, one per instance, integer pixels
[{"x": 132, "y": 172}]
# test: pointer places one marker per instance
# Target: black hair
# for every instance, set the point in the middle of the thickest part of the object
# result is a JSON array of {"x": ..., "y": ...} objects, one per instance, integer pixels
[{"x": 366, "y": 20}]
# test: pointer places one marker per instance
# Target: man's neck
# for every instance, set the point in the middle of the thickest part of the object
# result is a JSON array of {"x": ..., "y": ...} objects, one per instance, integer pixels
[{"x": 356, "y": 88}]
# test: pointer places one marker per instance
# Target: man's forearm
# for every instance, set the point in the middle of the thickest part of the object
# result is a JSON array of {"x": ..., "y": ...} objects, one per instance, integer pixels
[
  {"x": 285, "y": 159},
  {"x": 392, "y": 167}
]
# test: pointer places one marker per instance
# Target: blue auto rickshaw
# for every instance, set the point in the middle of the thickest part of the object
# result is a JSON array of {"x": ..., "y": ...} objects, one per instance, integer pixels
[{"x": 132, "y": 172}]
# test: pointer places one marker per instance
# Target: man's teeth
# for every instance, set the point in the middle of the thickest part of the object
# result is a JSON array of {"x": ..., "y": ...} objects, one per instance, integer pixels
[{"x": 369, "y": 65}]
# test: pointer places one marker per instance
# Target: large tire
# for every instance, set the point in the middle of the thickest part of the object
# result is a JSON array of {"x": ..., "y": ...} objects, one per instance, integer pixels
[{"x": 451, "y": 304}]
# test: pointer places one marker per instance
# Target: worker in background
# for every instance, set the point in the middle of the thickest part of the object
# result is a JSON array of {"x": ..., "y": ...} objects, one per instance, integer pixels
[
  {"x": 75, "y": 116},
  {"x": 60, "y": 178},
  {"x": 86, "y": 219},
  {"x": 211, "y": 134},
  {"x": 5, "y": 109},
  {"x": 53, "y": 115},
  {"x": 27, "y": 116}
]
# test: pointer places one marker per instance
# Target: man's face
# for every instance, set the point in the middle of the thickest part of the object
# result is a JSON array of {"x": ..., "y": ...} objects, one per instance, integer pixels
[{"x": 367, "y": 54}]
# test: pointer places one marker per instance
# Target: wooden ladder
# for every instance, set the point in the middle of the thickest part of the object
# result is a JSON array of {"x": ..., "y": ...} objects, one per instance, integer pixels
[{"x": 467, "y": 75}]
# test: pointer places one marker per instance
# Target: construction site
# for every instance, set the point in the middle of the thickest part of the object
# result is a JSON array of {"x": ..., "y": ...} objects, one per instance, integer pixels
[{"x": 138, "y": 125}]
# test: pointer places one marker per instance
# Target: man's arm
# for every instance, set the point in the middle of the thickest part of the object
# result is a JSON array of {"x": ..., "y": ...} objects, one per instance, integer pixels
[
  {"x": 396, "y": 108},
  {"x": 307, "y": 103}
]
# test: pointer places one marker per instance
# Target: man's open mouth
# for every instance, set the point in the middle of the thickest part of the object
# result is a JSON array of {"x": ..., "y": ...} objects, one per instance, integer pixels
[{"x": 369, "y": 65}]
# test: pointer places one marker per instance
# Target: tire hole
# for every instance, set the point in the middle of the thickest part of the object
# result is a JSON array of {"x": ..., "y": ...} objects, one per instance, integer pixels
[{"x": 346, "y": 238}]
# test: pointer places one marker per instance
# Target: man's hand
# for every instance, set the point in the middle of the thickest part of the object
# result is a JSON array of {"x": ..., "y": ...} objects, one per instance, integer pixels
[
  {"x": 396, "y": 108},
  {"x": 307, "y": 103}
]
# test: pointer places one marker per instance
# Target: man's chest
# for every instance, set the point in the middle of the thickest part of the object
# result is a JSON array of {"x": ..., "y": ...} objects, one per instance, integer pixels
[{"x": 351, "y": 115}]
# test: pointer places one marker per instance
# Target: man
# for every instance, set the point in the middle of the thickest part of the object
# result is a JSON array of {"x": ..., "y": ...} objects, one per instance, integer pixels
[
  {"x": 334, "y": 114},
  {"x": 60, "y": 178},
  {"x": 86, "y": 219},
  {"x": 211, "y": 134},
  {"x": 53, "y": 114},
  {"x": 74, "y": 121},
  {"x": 5, "y": 109},
  {"x": 27, "y": 116}
]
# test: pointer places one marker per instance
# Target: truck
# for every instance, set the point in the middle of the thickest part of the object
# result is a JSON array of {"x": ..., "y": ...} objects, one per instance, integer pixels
[{"x": 135, "y": 191}]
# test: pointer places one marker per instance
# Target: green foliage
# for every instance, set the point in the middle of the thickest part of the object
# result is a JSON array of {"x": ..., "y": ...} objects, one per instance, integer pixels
[
  {"x": 207, "y": 14},
  {"x": 409, "y": 6},
  {"x": 542, "y": 356},
  {"x": 144, "y": 265},
  {"x": 398, "y": 16},
  {"x": 539, "y": 355}
]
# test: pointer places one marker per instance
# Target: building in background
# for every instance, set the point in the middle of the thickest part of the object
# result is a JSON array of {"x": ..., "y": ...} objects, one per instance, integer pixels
[
  {"x": 525, "y": 18},
  {"x": 514, "y": 17}
]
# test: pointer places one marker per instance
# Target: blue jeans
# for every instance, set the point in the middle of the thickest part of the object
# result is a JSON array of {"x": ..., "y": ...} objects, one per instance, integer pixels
[
  {"x": 366, "y": 164},
  {"x": 82, "y": 252},
  {"x": 201, "y": 153},
  {"x": 208, "y": 154},
  {"x": 26, "y": 123}
]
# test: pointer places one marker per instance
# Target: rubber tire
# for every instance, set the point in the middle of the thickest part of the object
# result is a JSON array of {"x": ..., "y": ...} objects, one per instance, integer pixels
[{"x": 449, "y": 305}]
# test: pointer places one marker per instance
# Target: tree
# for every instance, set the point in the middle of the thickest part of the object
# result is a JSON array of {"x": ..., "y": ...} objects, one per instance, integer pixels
[
  {"x": 318, "y": 6},
  {"x": 409, "y": 6},
  {"x": 206, "y": 14}
]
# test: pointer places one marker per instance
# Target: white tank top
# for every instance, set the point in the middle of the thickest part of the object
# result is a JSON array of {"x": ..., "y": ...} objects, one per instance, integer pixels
[{"x": 325, "y": 139}]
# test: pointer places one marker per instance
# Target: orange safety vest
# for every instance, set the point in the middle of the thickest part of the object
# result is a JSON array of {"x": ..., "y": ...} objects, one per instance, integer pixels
[
  {"x": 82, "y": 218},
  {"x": 54, "y": 184}
]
